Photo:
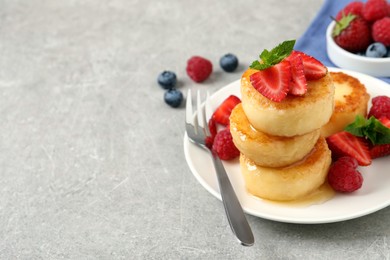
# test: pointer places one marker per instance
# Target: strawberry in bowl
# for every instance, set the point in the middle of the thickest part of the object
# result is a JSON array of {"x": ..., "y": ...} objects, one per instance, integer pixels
[{"x": 359, "y": 38}]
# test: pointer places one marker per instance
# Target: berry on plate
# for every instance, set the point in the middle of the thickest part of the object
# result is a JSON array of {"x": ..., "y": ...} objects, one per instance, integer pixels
[
  {"x": 376, "y": 50},
  {"x": 374, "y": 10},
  {"x": 381, "y": 150},
  {"x": 345, "y": 144},
  {"x": 381, "y": 31},
  {"x": 167, "y": 79},
  {"x": 380, "y": 107},
  {"x": 273, "y": 82},
  {"x": 223, "y": 145},
  {"x": 229, "y": 62},
  {"x": 355, "y": 8},
  {"x": 173, "y": 97},
  {"x": 199, "y": 68},
  {"x": 222, "y": 113},
  {"x": 343, "y": 175},
  {"x": 352, "y": 33}
]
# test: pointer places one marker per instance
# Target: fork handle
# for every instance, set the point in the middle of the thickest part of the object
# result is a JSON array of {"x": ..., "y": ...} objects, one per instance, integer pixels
[{"x": 233, "y": 209}]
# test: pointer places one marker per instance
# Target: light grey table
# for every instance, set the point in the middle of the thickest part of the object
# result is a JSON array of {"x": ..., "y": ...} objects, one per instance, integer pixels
[{"x": 91, "y": 159}]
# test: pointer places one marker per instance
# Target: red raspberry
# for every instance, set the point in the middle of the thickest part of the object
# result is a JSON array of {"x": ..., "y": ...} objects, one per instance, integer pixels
[
  {"x": 352, "y": 33},
  {"x": 198, "y": 68},
  {"x": 223, "y": 145},
  {"x": 381, "y": 31},
  {"x": 374, "y": 10},
  {"x": 343, "y": 175},
  {"x": 351, "y": 8},
  {"x": 380, "y": 107}
]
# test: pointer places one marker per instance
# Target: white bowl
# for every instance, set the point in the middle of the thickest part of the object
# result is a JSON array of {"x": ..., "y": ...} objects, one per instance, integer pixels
[{"x": 377, "y": 67}]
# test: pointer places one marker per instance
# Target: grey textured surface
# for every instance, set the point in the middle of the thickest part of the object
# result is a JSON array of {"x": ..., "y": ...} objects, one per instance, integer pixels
[{"x": 91, "y": 160}]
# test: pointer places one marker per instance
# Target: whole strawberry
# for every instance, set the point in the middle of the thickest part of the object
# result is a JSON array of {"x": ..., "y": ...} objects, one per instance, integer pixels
[
  {"x": 355, "y": 7},
  {"x": 199, "y": 68},
  {"x": 343, "y": 175},
  {"x": 352, "y": 33},
  {"x": 381, "y": 31},
  {"x": 374, "y": 10}
]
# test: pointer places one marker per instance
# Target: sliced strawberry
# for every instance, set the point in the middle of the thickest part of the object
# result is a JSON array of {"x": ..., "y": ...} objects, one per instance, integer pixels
[
  {"x": 221, "y": 115},
  {"x": 313, "y": 68},
  {"x": 346, "y": 144},
  {"x": 273, "y": 83},
  {"x": 385, "y": 121},
  {"x": 380, "y": 150},
  {"x": 298, "y": 85}
]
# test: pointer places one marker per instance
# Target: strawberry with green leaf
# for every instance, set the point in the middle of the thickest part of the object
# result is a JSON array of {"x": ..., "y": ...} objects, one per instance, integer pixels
[
  {"x": 274, "y": 75},
  {"x": 352, "y": 33},
  {"x": 273, "y": 57},
  {"x": 364, "y": 140},
  {"x": 371, "y": 129},
  {"x": 283, "y": 71},
  {"x": 381, "y": 150},
  {"x": 380, "y": 140}
]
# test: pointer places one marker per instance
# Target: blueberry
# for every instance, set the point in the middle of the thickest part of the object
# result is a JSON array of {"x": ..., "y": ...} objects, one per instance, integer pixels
[
  {"x": 228, "y": 62},
  {"x": 376, "y": 50},
  {"x": 167, "y": 79},
  {"x": 173, "y": 97}
]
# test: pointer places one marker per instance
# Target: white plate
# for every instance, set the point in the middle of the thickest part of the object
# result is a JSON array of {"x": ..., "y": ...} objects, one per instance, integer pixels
[{"x": 373, "y": 196}]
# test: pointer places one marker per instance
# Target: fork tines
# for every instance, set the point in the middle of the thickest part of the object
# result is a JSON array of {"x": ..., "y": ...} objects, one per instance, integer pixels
[{"x": 203, "y": 111}]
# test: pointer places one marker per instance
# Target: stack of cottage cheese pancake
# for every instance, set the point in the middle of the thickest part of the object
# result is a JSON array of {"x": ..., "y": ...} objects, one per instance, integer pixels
[
  {"x": 283, "y": 157},
  {"x": 283, "y": 152}
]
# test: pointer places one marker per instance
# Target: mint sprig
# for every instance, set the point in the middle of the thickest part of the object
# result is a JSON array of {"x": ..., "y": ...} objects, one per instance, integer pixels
[
  {"x": 273, "y": 57},
  {"x": 370, "y": 128}
]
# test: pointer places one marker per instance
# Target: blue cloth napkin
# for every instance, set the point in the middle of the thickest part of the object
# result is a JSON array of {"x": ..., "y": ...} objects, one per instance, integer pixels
[{"x": 313, "y": 41}]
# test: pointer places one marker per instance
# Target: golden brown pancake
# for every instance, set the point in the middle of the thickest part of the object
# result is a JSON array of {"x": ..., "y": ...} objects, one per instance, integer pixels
[
  {"x": 294, "y": 115},
  {"x": 268, "y": 150}
]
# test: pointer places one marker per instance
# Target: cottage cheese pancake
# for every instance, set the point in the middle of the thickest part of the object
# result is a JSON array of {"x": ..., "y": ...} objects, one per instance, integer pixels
[
  {"x": 295, "y": 115},
  {"x": 268, "y": 150},
  {"x": 291, "y": 182},
  {"x": 351, "y": 99}
]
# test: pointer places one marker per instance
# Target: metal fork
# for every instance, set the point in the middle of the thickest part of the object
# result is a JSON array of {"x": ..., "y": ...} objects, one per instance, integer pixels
[{"x": 197, "y": 131}]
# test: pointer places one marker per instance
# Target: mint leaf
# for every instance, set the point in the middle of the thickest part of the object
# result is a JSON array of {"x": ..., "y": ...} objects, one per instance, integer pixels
[
  {"x": 357, "y": 128},
  {"x": 371, "y": 129},
  {"x": 259, "y": 66},
  {"x": 273, "y": 57}
]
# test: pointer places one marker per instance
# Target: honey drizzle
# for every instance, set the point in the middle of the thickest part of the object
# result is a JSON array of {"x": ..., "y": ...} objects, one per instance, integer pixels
[{"x": 317, "y": 197}]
